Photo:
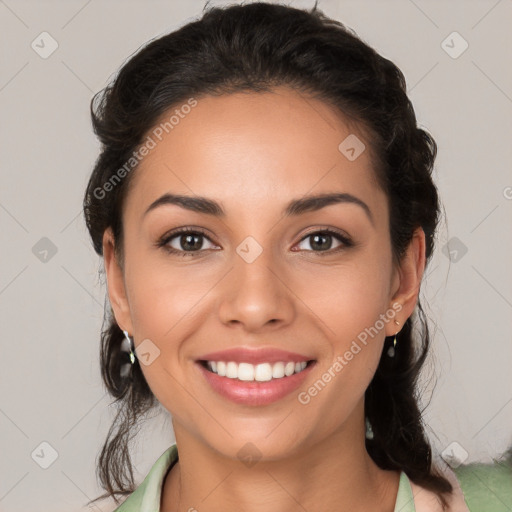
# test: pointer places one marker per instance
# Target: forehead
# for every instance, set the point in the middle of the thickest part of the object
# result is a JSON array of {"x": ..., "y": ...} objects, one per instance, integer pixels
[{"x": 252, "y": 149}]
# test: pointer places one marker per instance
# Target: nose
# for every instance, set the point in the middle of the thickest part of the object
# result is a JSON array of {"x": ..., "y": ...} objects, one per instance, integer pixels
[{"x": 255, "y": 294}]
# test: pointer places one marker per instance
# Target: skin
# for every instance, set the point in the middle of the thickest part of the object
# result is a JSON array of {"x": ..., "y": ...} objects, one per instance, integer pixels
[{"x": 253, "y": 153}]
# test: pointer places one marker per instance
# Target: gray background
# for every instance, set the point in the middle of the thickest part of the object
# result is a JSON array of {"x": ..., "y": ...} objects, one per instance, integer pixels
[{"x": 51, "y": 303}]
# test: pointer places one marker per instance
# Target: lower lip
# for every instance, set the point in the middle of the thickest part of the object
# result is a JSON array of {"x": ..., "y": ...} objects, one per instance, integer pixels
[{"x": 253, "y": 392}]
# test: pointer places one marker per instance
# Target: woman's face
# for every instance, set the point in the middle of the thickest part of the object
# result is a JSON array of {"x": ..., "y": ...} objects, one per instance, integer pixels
[{"x": 256, "y": 277}]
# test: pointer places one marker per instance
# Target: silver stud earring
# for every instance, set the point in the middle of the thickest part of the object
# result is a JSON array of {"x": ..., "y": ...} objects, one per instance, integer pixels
[
  {"x": 127, "y": 346},
  {"x": 369, "y": 430},
  {"x": 132, "y": 347},
  {"x": 391, "y": 350}
]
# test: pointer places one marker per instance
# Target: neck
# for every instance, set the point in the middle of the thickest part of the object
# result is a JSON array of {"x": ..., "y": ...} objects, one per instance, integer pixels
[{"x": 336, "y": 474}]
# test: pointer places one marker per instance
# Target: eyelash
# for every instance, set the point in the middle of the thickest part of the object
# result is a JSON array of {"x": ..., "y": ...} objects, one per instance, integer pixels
[{"x": 162, "y": 243}]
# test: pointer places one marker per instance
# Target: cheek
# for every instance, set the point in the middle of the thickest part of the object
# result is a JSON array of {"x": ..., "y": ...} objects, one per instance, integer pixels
[
  {"x": 348, "y": 298},
  {"x": 350, "y": 307},
  {"x": 351, "y": 301},
  {"x": 167, "y": 305},
  {"x": 163, "y": 298}
]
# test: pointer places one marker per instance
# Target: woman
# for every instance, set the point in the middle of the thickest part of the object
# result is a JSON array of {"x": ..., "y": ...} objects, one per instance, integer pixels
[{"x": 264, "y": 206}]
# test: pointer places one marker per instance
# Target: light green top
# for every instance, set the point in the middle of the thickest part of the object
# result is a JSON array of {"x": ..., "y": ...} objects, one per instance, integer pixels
[{"x": 486, "y": 488}]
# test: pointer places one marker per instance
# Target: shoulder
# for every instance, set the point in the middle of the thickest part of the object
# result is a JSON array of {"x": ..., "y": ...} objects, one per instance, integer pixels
[
  {"x": 147, "y": 496},
  {"x": 477, "y": 487},
  {"x": 486, "y": 487}
]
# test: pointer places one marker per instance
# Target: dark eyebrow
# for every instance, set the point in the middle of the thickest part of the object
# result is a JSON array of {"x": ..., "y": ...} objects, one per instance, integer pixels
[
  {"x": 296, "y": 207},
  {"x": 313, "y": 203}
]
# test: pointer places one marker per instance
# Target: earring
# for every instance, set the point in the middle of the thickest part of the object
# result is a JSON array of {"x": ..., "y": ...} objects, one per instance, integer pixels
[
  {"x": 132, "y": 347},
  {"x": 391, "y": 350},
  {"x": 369, "y": 430}
]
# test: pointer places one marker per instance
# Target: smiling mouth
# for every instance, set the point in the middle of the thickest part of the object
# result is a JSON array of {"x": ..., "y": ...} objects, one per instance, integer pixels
[{"x": 262, "y": 372}]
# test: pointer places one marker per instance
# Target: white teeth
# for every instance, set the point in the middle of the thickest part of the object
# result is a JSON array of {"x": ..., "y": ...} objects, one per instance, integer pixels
[
  {"x": 263, "y": 372},
  {"x": 245, "y": 371},
  {"x": 231, "y": 370},
  {"x": 221, "y": 368},
  {"x": 278, "y": 370},
  {"x": 260, "y": 372},
  {"x": 289, "y": 369}
]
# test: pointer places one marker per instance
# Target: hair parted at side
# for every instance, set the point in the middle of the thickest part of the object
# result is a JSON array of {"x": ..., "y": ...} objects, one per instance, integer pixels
[{"x": 256, "y": 47}]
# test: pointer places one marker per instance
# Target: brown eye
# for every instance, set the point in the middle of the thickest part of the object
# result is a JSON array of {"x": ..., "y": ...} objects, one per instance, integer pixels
[
  {"x": 322, "y": 241},
  {"x": 185, "y": 242},
  {"x": 190, "y": 241}
]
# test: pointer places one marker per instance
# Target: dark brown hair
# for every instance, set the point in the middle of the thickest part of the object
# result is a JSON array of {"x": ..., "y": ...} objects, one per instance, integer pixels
[{"x": 255, "y": 47}]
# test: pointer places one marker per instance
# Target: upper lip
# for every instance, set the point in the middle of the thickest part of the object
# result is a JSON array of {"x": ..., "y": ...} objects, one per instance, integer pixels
[{"x": 254, "y": 356}]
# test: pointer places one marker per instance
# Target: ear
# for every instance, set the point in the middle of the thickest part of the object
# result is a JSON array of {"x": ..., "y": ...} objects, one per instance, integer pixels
[
  {"x": 115, "y": 284},
  {"x": 407, "y": 280}
]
